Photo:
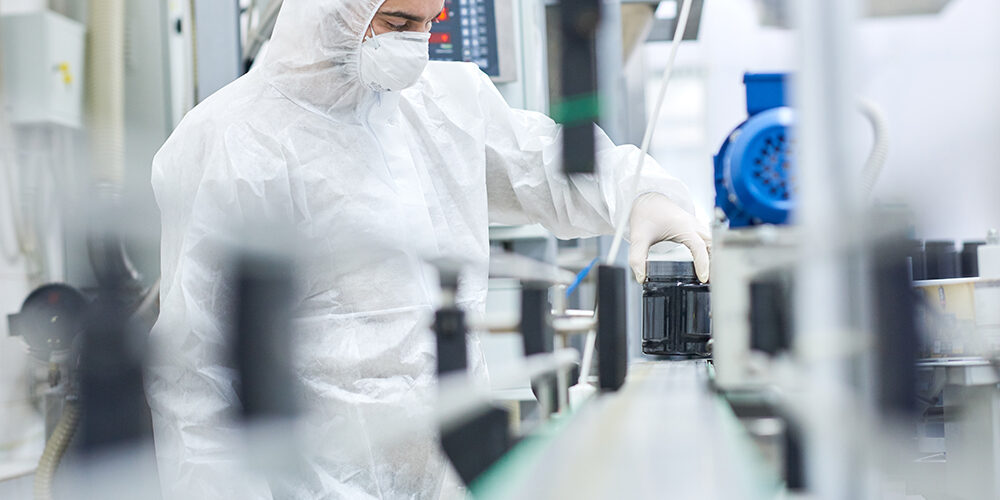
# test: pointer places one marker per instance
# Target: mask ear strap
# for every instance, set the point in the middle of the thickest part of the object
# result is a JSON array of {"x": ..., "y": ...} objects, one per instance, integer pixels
[{"x": 371, "y": 29}]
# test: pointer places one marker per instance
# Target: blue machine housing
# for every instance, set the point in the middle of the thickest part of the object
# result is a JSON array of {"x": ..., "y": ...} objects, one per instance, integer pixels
[{"x": 754, "y": 169}]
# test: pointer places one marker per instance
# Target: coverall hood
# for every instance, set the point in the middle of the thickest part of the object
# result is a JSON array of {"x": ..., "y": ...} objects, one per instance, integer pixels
[{"x": 313, "y": 55}]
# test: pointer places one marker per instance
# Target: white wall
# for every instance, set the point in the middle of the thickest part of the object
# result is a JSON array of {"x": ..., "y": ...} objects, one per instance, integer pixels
[
  {"x": 20, "y": 426},
  {"x": 21, "y": 438},
  {"x": 937, "y": 78},
  {"x": 15, "y": 6}
]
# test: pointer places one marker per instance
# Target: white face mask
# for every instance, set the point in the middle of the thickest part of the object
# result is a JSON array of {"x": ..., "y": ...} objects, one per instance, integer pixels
[{"x": 393, "y": 61}]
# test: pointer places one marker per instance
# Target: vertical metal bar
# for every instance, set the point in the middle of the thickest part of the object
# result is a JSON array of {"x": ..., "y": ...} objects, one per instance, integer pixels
[
  {"x": 828, "y": 209},
  {"x": 611, "y": 78},
  {"x": 114, "y": 410},
  {"x": 474, "y": 445},
  {"x": 262, "y": 347},
  {"x": 612, "y": 355},
  {"x": 450, "y": 329},
  {"x": 217, "y": 24},
  {"x": 579, "y": 107},
  {"x": 538, "y": 335},
  {"x": 539, "y": 338}
]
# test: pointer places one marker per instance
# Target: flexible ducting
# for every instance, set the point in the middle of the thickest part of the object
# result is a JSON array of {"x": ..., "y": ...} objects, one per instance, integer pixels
[
  {"x": 106, "y": 90},
  {"x": 106, "y": 123},
  {"x": 880, "y": 147},
  {"x": 55, "y": 448}
]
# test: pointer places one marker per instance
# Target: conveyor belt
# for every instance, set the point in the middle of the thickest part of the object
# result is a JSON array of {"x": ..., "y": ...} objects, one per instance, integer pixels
[{"x": 664, "y": 435}]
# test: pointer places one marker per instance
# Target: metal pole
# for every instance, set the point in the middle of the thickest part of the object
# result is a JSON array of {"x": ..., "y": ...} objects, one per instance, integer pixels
[
  {"x": 579, "y": 108},
  {"x": 611, "y": 77},
  {"x": 219, "y": 60},
  {"x": 827, "y": 276}
]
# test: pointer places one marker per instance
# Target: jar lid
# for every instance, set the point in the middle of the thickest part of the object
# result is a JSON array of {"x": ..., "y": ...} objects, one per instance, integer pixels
[{"x": 670, "y": 269}]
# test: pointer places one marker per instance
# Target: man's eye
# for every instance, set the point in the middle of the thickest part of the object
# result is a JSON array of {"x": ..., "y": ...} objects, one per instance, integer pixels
[{"x": 396, "y": 27}]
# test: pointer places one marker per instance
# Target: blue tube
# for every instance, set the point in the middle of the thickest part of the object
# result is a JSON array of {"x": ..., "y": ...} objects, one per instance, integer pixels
[{"x": 581, "y": 276}]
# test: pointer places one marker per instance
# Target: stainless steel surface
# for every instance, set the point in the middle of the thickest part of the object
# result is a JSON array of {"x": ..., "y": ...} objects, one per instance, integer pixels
[
  {"x": 218, "y": 45},
  {"x": 738, "y": 258},
  {"x": 963, "y": 361},
  {"x": 506, "y": 42},
  {"x": 966, "y": 371},
  {"x": 512, "y": 265},
  {"x": 778, "y": 13},
  {"x": 665, "y": 434},
  {"x": 971, "y": 434}
]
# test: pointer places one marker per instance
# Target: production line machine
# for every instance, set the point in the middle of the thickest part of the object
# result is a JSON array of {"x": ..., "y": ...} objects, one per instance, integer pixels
[
  {"x": 754, "y": 247},
  {"x": 672, "y": 423},
  {"x": 710, "y": 411},
  {"x": 709, "y": 401},
  {"x": 723, "y": 391}
]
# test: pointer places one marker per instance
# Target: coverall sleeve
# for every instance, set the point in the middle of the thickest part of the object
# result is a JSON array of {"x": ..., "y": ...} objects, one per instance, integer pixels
[
  {"x": 191, "y": 383},
  {"x": 525, "y": 183}
]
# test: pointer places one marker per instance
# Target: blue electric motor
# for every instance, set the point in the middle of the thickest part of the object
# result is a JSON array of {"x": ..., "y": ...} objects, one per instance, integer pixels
[{"x": 755, "y": 167}]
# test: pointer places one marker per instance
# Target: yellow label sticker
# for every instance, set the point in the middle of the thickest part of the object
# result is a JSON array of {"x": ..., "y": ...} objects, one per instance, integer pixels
[{"x": 67, "y": 75}]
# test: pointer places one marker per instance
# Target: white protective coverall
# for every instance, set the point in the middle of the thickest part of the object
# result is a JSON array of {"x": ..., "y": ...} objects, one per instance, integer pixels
[{"x": 372, "y": 184}]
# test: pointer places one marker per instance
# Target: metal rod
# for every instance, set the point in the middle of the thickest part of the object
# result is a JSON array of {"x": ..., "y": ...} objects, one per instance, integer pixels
[{"x": 827, "y": 208}]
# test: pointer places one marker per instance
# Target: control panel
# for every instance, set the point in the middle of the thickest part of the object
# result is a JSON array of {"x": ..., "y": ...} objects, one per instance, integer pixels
[{"x": 469, "y": 30}]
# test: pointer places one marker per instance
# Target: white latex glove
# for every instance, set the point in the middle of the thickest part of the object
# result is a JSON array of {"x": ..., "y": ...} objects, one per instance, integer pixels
[{"x": 656, "y": 218}]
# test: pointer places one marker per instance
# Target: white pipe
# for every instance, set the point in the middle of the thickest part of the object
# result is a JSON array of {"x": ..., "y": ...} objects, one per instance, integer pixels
[
  {"x": 251, "y": 20},
  {"x": 461, "y": 399},
  {"x": 261, "y": 31},
  {"x": 588, "y": 356},
  {"x": 611, "y": 78},
  {"x": 10, "y": 255},
  {"x": 682, "y": 21},
  {"x": 505, "y": 264},
  {"x": 106, "y": 90},
  {"x": 28, "y": 208},
  {"x": 23, "y": 242}
]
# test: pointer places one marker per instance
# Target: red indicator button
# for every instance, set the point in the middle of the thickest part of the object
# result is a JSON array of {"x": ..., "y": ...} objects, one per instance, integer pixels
[{"x": 440, "y": 38}]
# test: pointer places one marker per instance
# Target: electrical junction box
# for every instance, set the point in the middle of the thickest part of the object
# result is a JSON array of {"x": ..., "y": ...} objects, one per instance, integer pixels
[{"x": 43, "y": 68}]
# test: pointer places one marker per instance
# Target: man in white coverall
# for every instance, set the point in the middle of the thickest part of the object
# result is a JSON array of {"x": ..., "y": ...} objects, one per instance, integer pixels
[{"x": 377, "y": 160}]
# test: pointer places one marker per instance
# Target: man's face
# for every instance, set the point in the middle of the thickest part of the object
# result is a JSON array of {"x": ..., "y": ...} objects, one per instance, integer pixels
[{"x": 406, "y": 15}]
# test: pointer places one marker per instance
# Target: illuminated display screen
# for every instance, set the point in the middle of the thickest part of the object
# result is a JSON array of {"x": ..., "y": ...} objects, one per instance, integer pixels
[{"x": 466, "y": 31}]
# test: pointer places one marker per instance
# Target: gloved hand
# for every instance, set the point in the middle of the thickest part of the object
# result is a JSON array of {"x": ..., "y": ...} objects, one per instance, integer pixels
[{"x": 656, "y": 218}]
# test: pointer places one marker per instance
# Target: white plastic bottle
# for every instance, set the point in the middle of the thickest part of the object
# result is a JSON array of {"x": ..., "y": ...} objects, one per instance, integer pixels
[{"x": 989, "y": 256}]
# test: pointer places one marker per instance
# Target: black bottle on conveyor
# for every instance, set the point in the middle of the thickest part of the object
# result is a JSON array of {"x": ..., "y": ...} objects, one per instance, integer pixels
[{"x": 675, "y": 311}]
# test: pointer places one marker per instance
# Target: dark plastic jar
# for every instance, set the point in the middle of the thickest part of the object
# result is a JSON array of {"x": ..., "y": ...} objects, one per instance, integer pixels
[
  {"x": 970, "y": 258},
  {"x": 675, "y": 311},
  {"x": 942, "y": 260}
]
